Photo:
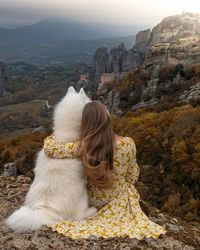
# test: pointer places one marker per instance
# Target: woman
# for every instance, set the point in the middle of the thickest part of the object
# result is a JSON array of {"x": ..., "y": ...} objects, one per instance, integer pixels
[{"x": 111, "y": 169}]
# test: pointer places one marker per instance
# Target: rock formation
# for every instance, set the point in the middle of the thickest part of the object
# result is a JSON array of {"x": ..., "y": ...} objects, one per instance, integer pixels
[
  {"x": 119, "y": 60},
  {"x": 180, "y": 235},
  {"x": 184, "y": 51},
  {"x": 101, "y": 61},
  {"x": 116, "y": 58},
  {"x": 110, "y": 98},
  {"x": 175, "y": 40},
  {"x": 142, "y": 40},
  {"x": 192, "y": 94},
  {"x": 175, "y": 27},
  {"x": 132, "y": 60}
]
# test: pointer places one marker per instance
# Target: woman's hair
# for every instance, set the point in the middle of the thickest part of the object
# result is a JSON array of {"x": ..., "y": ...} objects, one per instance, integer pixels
[{"x": 97, "y": 138}]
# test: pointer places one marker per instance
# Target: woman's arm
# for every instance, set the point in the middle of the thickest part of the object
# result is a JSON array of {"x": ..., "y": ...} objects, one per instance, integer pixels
[
  {"x": 60, "y": 150},
  {"x": 133, "y": 170}
]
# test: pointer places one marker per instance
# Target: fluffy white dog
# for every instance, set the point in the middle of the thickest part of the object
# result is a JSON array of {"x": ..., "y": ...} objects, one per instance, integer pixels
[{"x": 58, "y": 191}]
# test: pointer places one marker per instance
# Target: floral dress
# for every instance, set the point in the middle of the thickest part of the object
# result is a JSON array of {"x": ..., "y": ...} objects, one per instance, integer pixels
[{"x": 119, "y": 213}]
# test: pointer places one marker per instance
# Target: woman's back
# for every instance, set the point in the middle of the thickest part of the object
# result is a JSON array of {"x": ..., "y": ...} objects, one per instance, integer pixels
[{"x": 126, "y": 172}]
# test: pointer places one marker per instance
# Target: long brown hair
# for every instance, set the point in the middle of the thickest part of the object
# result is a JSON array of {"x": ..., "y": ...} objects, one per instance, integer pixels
[{"x": 96, "y": 144}]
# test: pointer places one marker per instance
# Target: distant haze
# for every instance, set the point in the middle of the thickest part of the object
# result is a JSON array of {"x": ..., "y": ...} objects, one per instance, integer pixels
[{"x": 125, "y": 14}]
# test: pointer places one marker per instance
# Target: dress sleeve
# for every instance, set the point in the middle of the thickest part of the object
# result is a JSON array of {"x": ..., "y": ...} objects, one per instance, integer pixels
[
  {"x": 133, "y": 170},
  {"x": 61, "y": 150}
]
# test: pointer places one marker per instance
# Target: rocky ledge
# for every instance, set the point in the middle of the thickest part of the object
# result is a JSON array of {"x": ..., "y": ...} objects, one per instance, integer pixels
[{"x": 180, "y": 235}]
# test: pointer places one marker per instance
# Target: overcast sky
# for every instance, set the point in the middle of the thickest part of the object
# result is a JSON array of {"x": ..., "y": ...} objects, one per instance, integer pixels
[{"x": 141, "y": 13}]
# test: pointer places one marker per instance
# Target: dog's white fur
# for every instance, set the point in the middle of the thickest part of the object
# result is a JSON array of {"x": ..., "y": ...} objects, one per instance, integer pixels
[{"x": 58, "y": 191}]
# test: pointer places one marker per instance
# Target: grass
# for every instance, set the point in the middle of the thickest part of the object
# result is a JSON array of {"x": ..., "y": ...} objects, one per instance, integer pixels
[{"x": 33, "y": 106}]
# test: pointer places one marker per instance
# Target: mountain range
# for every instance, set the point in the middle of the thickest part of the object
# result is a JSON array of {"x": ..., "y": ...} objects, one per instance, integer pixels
[{"x": 57, "y": 40}]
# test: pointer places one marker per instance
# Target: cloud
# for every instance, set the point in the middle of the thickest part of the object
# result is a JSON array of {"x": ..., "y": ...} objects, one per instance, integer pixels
[{"x": 119, "y": 12}]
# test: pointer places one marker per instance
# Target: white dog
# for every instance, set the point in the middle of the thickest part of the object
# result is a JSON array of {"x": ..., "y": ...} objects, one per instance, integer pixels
[{"x": 58, "y": 191}]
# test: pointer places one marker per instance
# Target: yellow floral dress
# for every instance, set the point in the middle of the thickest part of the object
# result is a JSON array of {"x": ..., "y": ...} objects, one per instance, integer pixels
[{"x": 119, "y": 213}]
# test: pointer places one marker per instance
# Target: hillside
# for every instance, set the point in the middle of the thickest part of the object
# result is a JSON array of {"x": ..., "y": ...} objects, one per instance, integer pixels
[{"x": 151, "y": 105}]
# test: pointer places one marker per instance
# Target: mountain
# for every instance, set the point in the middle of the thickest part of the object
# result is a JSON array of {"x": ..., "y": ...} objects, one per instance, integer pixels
[
  {"x": 50, "y": 30},
  {"x": 56, "y": 41}
]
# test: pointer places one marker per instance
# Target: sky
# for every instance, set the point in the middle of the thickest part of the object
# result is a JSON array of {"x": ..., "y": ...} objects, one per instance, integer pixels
[{"x": 141, "y": 13}]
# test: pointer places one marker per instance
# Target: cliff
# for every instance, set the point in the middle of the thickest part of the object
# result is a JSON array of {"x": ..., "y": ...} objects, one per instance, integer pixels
[
  {"x": 175, "y": 27},
  {"x": 180, "y": 235},
  {"x": 175, "y": 40}
]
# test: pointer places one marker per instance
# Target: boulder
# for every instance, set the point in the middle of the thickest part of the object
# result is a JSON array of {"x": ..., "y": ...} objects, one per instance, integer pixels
[{"x": 10, "y": 169}]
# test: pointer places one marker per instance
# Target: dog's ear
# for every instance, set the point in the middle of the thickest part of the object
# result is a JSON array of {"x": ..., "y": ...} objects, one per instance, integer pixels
[
  {"x": 83, "y": 96},
  {"x": 71, "y": 90},
  {"x": 82, "y": 93}
]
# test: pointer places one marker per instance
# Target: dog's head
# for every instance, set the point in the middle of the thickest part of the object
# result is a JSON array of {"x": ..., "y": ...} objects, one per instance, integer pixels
[{"x": 68, "y": 113}]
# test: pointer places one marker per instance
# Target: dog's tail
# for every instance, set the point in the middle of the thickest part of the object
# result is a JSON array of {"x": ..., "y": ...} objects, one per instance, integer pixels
[{"x": 25, "y": 219}]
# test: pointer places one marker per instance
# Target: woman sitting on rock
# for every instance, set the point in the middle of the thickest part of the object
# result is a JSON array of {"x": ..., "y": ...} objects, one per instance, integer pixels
[{"x": 111, "y": 169}]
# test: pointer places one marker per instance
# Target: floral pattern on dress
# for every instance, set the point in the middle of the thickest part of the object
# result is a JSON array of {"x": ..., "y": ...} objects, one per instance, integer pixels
[{"x": 119, "y": 212}]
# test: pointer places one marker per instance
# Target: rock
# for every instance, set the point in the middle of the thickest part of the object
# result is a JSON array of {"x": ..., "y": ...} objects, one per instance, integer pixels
[
  {"x": 155, "y": 72},
  {"x": 119, "y": 60},
  {"x": 116, "y": 58},
  {"x": 105, "y": 79},
  {"x": 150, "y": 91},
  {"x": 131, "y": 60},
  {"x": 113, "y": 100},
  {"x": 143, "y": 104},
  {"x": 178, "y": 79},
  {"x": 101, "y": 61},
  {"x": 142, "y": 40},
  {"x": 10, "y": 169},
  {"x": 192, "y": 94},
  {"x": 180, "y": 235},
  {"x": 175, "y": 27},
  {"x": 176, "y": 40},
  {"x": 182, "y": 51}
]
